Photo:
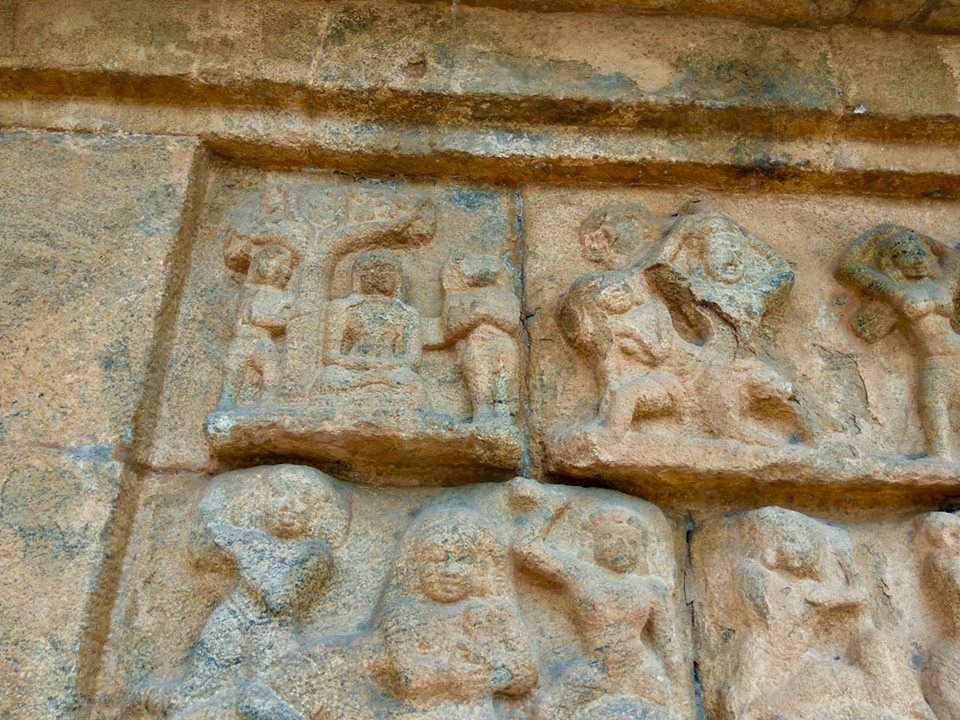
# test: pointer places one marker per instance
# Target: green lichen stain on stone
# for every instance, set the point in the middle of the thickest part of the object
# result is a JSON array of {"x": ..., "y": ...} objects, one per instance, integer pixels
[
  {"x": 523, "y": 76},
  {"x": 757, "y": 72}
]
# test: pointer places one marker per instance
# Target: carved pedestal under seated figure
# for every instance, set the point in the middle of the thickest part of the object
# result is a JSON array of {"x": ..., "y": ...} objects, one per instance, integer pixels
[
  {"x": 938, "y": 535},
  {"x": 911, "y": 283}
]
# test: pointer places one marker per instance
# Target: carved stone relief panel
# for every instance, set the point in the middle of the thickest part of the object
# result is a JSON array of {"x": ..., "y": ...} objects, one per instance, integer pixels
[
  {"x": 300, "y": 596},
  {"x": 680, "y": 336},
  {"x": 808, "y": 619},
  {"x": 937, "y": 545},
  {"x": 910, "y": 281},
  {"x": 337, "y": 320}
]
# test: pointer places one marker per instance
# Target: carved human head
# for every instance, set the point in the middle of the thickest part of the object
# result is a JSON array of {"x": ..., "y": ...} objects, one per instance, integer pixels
[
  {"x": 455, "y": 554},
  {"x": 613, "y": 235},
  {"x": 378, "y": 272},
  {"x": 907, "y": 255},
  {"x": 617, "y": 298},
  {"x": 272, "y": 264},
  {"x": 289, "y": 502},
  {"x": 619, "y": 539},
  {"x": 791, "y": 542},
  {"x": 723, "y": 257},
  {"x": 716, "y": 242}
]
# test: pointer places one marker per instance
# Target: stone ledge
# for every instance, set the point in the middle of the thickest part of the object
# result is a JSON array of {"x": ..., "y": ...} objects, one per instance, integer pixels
[
  {"x": 511, "y": 155},
  {"x": 655, "y": 463},
  {"x": 913, "y": 14},
  {"x": 430, "y": 63},
  {"x": 375, "y": 449}
]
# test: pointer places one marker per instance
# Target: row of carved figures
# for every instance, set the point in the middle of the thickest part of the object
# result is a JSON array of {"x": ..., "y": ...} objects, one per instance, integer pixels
[
  {"x": 448, "y": 636},
  {"x": 667, "y": 324},
  {"x": 785, "y": 613},
  {"x": 373, "y": 338}
]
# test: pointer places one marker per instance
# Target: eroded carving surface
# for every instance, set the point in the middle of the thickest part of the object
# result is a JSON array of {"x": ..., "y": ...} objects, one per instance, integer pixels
[
  {"x": 632, "y": 662},
  {"x": 451, "y": 629},
  {"x": 668, "y": 335},
  {"x": 788, "y": 624},
  {"x": 938, "y": 536},
  {"x": 278, "y": 528},
  {"x": 909, "y": 281},
  {"x": 331, "y": 353},
  {"x": 452, "y": 624}
]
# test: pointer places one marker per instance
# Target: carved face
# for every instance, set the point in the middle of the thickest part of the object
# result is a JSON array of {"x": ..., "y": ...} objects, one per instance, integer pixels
[
  {"x": 378, "y": 273},
  {"x": 909, "y": 255},
  {"x": 617, "y": 540},
  {"x": 287, "y": 520},
  {"x": 447, "y": 563},
  {"x": 597, "y": 243},
  {"x": 616, "y": 299},
  {"x": 273, "y": 265},
  {"x": 724, "y": 258}
]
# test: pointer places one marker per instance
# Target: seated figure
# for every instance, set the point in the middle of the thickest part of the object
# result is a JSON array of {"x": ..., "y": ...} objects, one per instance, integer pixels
[
  {"x": 372, "y": 337},
  {"x": 450, "y": 625}
]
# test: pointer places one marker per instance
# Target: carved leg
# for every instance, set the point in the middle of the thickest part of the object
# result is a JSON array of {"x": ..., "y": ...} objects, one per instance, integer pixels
[
  {"x": 489, "y": 363},
  {"x": 233, "y": 377},
  {"x": 934, "y": 389},
  {"x": 270, "y": 371},
  {"x": 617, "y": 407},
  {"x": 653, "y": 393}
]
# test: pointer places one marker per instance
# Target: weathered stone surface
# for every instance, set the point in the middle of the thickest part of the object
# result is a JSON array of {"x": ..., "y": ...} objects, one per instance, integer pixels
[
  {"x": 514, "y": 595},
  {"x": 90, "y": 230},
  {"x": 692, "y": 370},
  {"x": 803, "y": 616},
  {"x": 310, "y": 303},
  {"x": 394, "y": 336},
  {"x": 429, "y": 60}
]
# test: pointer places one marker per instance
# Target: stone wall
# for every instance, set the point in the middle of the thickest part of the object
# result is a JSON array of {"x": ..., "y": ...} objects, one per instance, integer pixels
[{"x": 509, "y": 359}]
